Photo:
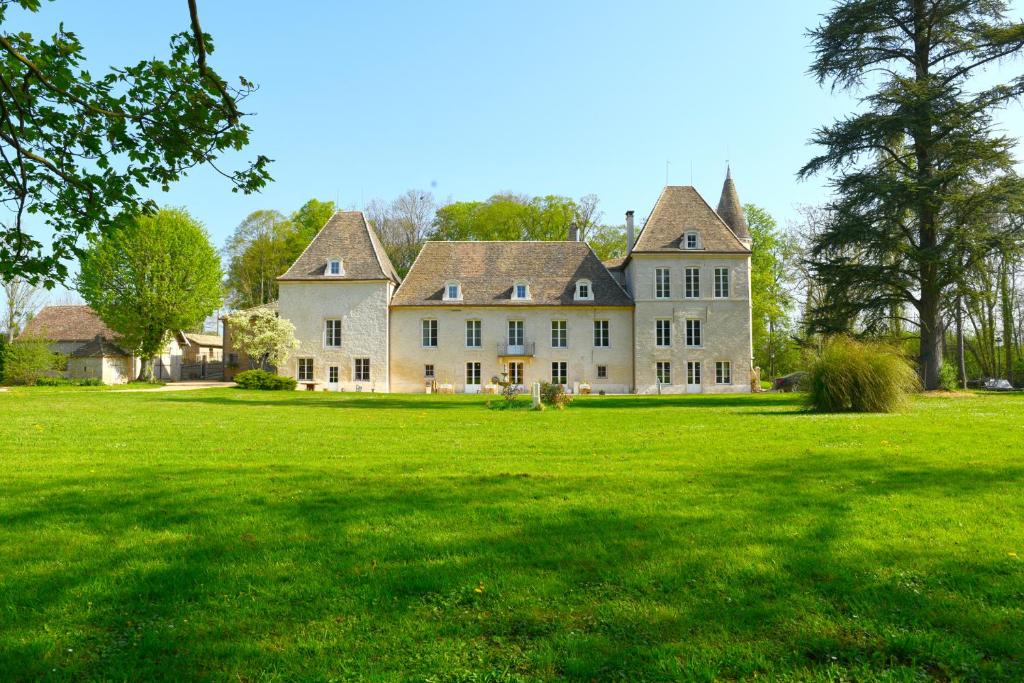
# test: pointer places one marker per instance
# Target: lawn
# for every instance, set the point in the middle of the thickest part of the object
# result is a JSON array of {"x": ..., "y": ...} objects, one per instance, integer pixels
[{"x": 224, "y": 534}]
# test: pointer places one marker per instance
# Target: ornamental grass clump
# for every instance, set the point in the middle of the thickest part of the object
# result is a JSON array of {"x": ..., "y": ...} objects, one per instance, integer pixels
[{"x": 862, "y": 377}]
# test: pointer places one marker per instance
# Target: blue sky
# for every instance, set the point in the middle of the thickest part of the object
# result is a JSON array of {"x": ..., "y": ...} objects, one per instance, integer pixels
[{"x": 360, "y": 100}]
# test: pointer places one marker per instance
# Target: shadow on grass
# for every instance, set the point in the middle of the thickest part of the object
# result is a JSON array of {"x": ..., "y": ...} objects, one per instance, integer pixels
[{"x": 248, "y": 572}]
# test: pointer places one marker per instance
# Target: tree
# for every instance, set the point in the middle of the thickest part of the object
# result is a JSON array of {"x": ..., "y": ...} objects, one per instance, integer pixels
[
  {"x": 264, "y": 337},
  {"x": 771, "y": 279},
  {"x": 79, "y": 148},
  {"x": 22, "y": 299},
  {"x": 922, "y": 154},
  {"x": 305, "y": 224},
  {"x": 512, "y": 217},
  {"x": 402, "y": 225},
  {"x": 149, "y": 276},
  {"x": 607, "y": 241},
  {"x": 26, "y": 360}
]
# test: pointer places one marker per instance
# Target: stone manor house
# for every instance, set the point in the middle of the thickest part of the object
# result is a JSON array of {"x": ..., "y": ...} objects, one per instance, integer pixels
[{"x": 673, "y": 316}]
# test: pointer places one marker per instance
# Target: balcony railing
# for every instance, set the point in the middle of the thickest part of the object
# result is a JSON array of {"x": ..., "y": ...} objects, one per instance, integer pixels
[{"x": 527, "y": 348}]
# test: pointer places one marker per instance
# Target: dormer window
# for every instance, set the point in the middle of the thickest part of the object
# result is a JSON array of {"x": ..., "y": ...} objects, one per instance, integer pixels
[
  {"x": 335, "y": 268},
  {"x": 691, "y": 240},
  {"x": 452, "y": 291},
  {"x": 584, "y": 291},
  {"x": 520, "y": 291}
]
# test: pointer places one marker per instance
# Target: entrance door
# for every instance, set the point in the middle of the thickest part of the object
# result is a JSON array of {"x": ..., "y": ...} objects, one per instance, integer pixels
[
  {"x": 693, "y": 380},
  {"x": 473, "y": 377},
  {"x": 516, "y": 337},
  {"x": 332, "y": 378},
  {"x": 515, "y": 372}
]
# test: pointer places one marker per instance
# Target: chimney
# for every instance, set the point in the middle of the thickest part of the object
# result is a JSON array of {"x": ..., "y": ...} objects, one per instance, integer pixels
[
  {"x": 574, "y": 232},
  {"x": 629, "y": 231}
]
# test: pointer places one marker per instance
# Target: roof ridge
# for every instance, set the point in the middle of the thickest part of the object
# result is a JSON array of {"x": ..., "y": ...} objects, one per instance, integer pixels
[
  {"x": 409, "y": 272},
  {"x": 376, "y": 246},
  {"x": 315, "y": 238}
]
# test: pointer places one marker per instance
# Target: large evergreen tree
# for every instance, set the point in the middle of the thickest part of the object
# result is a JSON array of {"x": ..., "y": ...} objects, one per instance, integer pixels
[{"x": 923, "y": 155}]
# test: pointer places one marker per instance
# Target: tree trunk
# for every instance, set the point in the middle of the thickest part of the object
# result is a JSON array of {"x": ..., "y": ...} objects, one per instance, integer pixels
[
  {"x": 145, "y": 369},
  {"x": 1007, "y": 315},
  {"x": 960, "y": 357},
  {"x": 930, "y": 351}
]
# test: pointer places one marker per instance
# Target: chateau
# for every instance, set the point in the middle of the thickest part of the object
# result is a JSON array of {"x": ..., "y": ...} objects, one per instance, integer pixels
[{"x": 672, "y": 316}]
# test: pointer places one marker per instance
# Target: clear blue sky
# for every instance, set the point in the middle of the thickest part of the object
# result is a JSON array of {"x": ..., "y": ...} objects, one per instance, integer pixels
[{"x": 360, "y": 100}]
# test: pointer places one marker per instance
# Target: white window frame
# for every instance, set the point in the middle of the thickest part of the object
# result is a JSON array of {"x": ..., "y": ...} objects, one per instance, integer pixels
[
  {"x": 560, "y": 334},
  {"x": 663, "y": 368},
  {"x": 691, "y": 276},
  {"x": 727, "y": 374},
  {"x": 559, "y": 371},
  {"x": 694, "y": 371},
  {"x": 526, "y": 291},
  {"x": 474, "y": 328},
  {"x": 659, "y": 337},
  {"x": 722, "y": 283},
  {"x": 602, "y": 372},
  {"x": 447, "y": 291},
  {"x": 300, "y": 365},
  {"x": 330, "y": 268},
  {"x": 477, "y": 373},
  {"x": 428, "y": 371},
  {"x": 356, "y": 375},
  {"x": 521, "y": 326},
  {"x": 691, "y": 325},
  {"x": 425, "y": 324},
  {"x": 521, "y": 373},
  {"x": 584, "y": 290},
  {"x": 696, "y": 240},
  {"x": 662, "y": 290},
  {"x": 603, "y": 327},
  {"x": 332, "y": 374},
  {"x": 327, "y": 333}
]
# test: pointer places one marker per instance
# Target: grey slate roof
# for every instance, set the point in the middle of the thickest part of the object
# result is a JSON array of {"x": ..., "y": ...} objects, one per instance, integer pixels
[
  {"x": 68, "y": 324},
  {"x": 99, "y": 348},
  {"x": 731, "y": 210},
  {"x": 681, "y": 209},
  {"x": 346, "y": 236},
  {"x": 487, "y": 272}
]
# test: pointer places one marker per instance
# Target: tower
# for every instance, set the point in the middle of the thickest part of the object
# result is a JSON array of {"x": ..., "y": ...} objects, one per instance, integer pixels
[{"x": 731, "y": 211}]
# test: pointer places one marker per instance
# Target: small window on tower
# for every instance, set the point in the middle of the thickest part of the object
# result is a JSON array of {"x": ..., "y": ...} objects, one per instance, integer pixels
[
  {"x": 691, "y": 241},
  {"x": 334, "y": 267}
]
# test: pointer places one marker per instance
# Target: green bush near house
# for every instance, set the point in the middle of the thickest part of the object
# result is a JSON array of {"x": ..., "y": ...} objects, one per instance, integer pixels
[
  {"x": 67, "y": 382},
  {"x": 554, "y": 395},
  {"x": 263, "y": 380},
  {"x": 862, "y": 377},
  {"x": 26, "y": 361}
]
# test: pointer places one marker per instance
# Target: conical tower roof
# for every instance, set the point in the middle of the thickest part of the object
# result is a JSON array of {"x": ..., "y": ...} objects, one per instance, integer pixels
[{"x": 730, "y": 210}]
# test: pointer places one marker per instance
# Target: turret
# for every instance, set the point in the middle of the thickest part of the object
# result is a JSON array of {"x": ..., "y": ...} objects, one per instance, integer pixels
[{"x": 731, "y": 211}]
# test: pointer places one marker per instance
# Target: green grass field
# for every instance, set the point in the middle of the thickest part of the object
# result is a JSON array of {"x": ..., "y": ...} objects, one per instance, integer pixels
[{"x": 224, "y": 534}]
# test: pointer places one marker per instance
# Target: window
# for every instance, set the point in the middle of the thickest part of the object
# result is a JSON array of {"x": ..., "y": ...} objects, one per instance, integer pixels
[
  {"x": 693, "y": 333},
  {"x": 452, "y": 291},
  {"x": 473, "y": 373},
  {"x": 691, "y": 282},
  {"x": 559, "y": 334},
  {"x": 515, "y": 333},
  {"x": 430, "y": 334},
  {"x": 723, "y": 372},
  {"x": 664, "y": 371},
  {"x": 721, "y": 283},
  {"x": 515, "y": 372},
  {"x": 693, "y": 373},
  {"x": 473, "y": 340},
  {"x": 305, "y": 369},
  {"x": 428, "y": 371},
  {"x": 692, "y": 241},
  {"x": 332, "y": 333},
  {"x": 362, "y": 373},
  {"x": 663, "y": 332},
  {"x": 334, "y": 267},
  {"x": 602, "y": 372},
  {"x": 559, "y": 372},
  {"x": 332, "y": 374},
  {"x": 521, "y": 291},
  {"x": 601, "y": 333},
  {"x": 662, "y": 284},
  {"x": 584, "y": 291}
]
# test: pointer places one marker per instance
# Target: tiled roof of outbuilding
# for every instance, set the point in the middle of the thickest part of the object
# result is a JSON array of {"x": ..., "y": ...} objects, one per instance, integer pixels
[
  {"x": 681, "y": 209},
  {"x": 99, "y": 348},
  {"x": 68, "y": 323},
  {"x": 348, "y": 237},
  {"x": 487, "y": 271}
]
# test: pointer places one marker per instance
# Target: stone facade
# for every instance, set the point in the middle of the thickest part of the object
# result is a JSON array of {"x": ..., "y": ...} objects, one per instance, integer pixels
[{"x": 448, "y": 359}]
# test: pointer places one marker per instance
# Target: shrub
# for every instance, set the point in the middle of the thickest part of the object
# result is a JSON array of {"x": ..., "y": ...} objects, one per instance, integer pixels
[
  {"x": 863, "y": 377},
  {"x": 949, "y": 378},
  {"x": 65, "y": 382},
  {"x": 3, "y": 345},
  {"x": 554, "y": 395},
  {"x": 25, "y": 361},
  {"x": 263, "y": 380}
]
